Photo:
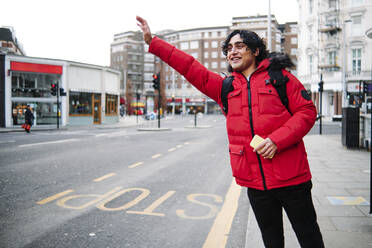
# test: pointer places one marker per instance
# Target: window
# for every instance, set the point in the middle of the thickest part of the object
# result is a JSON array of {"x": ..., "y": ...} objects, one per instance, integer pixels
[
  {"x": 214, "y": 65},
  {"x": 195, "y": 55},
  {"x": 356, "y": 2},
  {"x": 294, "y": 40},
  {"x": 332, "y": 4},
  {"x": 194, "y": 45},
  {"x": 357, "y": 60},
  {"x": 293, "y": 51},
  {"x": 206, "y": 64},
  {"x": 111, "y": 104},
  {"x": 184, "y": 45},
  {"x": 214, "y": 55},
  {"x": 357, "y": 25},
  {"x": 80, "y": 103},
  {"x": 26, "y": 84},
  {"x": 206, "y": 44},
  {"x": 332, "y": 57},
  {"x": 214, "y": 44},
  {"x": 310, "y": 6},
  {"x": 206, "y": 55},
  {"x": 223, "y": 64},
  {"x": 310, "y": 29},
  {"x": 310, "y": 59}
]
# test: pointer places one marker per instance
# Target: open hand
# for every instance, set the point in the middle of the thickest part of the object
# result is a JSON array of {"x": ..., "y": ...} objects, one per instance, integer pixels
[
  {"x": 142, "y": 23},
  {"x": 266, "y": 149}
]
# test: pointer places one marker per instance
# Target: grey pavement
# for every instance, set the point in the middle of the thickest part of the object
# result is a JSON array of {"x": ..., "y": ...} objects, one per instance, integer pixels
[
  {"x": 341, "y": 184},
  {"x": 341, "y": 189}
]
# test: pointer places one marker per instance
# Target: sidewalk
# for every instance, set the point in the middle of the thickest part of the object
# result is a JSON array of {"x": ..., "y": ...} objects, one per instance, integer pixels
[{"x": 341, "y": 179}]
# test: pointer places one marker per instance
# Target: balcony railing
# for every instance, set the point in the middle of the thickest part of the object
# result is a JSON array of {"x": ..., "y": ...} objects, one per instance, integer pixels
[{"x": 359, "y": 75}]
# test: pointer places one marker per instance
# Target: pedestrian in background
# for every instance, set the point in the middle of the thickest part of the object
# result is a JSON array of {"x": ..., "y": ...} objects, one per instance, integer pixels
[
  {"x": 29, "y": 119},
  {"x": 276, "y": 172}
]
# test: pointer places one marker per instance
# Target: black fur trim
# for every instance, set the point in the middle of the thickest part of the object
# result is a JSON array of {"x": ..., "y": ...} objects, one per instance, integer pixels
[{"x": 280, "y": 61}]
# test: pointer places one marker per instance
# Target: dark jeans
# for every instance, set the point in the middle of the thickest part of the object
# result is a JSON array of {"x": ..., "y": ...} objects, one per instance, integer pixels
[{"x": 297, "y": 202}]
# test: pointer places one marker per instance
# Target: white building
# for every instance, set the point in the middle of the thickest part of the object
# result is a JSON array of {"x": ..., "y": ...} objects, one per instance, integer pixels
[
  {"x": 92, "y": 92},
  {"x": 332, "y": 44}
]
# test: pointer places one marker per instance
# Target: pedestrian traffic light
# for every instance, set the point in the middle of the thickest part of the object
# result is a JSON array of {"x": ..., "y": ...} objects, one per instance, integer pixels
[
  {"x": 53, "y": 89},
  {"x": 156, "y": 81},
  {"x": 62, "y": 92},
  {"x": 320, "y": 84}
]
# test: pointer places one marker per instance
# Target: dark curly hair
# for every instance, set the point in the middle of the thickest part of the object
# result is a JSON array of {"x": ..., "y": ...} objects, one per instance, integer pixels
[{"x": 253, "y": 42}]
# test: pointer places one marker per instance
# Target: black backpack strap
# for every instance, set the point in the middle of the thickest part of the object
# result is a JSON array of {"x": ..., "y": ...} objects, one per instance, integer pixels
[
  {"x": 227, "y": 87},
  {"x": 279, "y": 81}
]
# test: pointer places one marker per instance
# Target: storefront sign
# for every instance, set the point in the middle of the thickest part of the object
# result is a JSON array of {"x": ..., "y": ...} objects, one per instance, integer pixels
[{"x": 32, "y": 67}]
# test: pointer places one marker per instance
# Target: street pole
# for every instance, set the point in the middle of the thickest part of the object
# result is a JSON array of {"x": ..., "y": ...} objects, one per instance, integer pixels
[
  {"x": 344, "y": 67},
  {"x": 269, "y": 28},
  {"x": 174, "y": 93},
  {"x": 320, "y": 102},
  {"x": 159, "y": 101},
  {"x": 137, "y": 104},
  {"x": 57, "y": 104},
  {"x": 369, "y": 35}
]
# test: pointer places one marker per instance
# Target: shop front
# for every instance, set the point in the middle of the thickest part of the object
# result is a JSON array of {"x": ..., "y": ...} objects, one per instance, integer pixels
[
  {"x": 30, "y": 85},
  {"x": 92, "y": 92}
]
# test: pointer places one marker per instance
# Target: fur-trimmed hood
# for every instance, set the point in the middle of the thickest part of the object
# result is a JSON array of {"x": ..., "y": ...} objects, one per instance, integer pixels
[{"x": 280, "y": 61}]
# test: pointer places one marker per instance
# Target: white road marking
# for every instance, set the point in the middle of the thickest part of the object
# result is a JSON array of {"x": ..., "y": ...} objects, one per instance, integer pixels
[
  {"x": 49, "y": 142},
  {"x": 9, "y": 141}
]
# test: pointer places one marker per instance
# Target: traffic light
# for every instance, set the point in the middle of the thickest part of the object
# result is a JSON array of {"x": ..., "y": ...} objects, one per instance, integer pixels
[
  {"x": 156, "y": 81},
  {"x": 62, "y": 92},
  {"x": 320, "y": 84},
  {"x": 53, "y": 89}
]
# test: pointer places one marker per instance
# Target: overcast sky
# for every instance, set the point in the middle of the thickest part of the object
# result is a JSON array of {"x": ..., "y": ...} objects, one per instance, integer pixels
[{"x": 82, "y": 30}]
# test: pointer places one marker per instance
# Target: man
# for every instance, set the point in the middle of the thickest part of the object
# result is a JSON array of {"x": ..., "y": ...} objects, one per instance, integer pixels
[{"x": 276, "y": 172}]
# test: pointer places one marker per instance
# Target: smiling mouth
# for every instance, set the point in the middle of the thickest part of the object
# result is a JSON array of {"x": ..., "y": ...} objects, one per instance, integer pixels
[{"x": 235, "y": 59}]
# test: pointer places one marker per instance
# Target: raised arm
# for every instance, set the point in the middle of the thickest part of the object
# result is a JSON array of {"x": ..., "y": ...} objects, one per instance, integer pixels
[
  {"x": 208, "y": 82},
  {"x": 142, "y": 23}
]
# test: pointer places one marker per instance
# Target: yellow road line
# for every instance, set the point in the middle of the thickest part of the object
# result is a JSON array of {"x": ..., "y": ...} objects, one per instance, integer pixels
[
  {"x": 54, "y": 197},
  {"x": 104, "y": 177},
  {"x": 135, "y": 165},
  {"x": 157, "y": 155},
  {"x": 220, "y": 230}
]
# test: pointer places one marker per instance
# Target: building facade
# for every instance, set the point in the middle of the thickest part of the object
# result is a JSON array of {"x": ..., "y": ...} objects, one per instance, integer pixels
[
  {"x": 204, "y": 44},
  {"x": 333, "y": 47},
  {"x": 137, "y": 66},
  {"x": 9, "y": 43},
  {"x": 92, "y": 92}
]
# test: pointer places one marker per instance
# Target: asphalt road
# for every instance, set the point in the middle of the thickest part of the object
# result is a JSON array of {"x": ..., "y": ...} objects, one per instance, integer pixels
[{"x": 120, "y": 188}]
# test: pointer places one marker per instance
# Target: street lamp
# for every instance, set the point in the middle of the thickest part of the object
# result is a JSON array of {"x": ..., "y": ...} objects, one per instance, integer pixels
[{"x": 344, "y": 86}]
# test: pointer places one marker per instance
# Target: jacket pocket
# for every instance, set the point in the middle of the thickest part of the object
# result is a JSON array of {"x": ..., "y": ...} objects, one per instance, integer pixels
[
  {"x": 290, "y": 163},
  {"x": 239, "y": 163},
  {"x": 269, "y": 101},
  {"x": 234, "y": 99}
]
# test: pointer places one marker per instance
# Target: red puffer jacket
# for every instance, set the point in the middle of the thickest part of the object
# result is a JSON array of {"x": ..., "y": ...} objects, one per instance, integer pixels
[{"x": 254, "y": 108}]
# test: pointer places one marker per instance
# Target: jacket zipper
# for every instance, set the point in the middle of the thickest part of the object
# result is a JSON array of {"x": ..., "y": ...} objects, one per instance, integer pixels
[{"x": 252, "y": 130}]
